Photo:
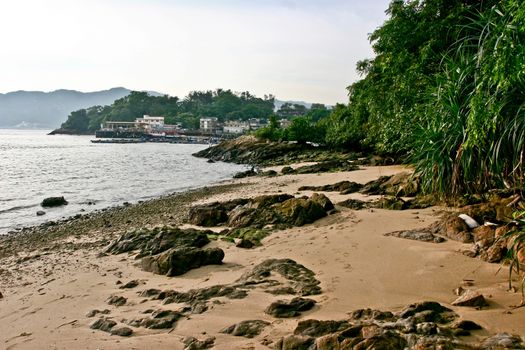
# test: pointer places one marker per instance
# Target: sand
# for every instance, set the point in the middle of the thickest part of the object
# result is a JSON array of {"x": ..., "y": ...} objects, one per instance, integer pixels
[{"x": 46, "y": 298}]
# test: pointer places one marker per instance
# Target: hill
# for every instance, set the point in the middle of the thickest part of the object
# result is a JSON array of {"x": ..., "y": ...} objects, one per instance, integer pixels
[{"x": 37, "y": 109}]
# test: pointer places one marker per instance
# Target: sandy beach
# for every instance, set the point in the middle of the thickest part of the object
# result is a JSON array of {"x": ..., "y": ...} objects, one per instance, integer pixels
[{"x": 50, "y": 287}]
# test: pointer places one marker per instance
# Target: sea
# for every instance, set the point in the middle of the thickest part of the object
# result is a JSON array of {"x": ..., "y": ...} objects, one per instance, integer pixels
[{"x": 34, "y": 165}]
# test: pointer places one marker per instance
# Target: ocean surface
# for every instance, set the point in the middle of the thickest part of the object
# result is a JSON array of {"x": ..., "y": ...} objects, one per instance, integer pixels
[{"x": 90, "y": 176}]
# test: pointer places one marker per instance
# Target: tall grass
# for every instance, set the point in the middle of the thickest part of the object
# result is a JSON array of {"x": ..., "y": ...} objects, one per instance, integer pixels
[{"x": 474, "y": 134}]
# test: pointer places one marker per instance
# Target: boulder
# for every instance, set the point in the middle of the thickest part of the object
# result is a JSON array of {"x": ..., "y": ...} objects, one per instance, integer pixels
[
  {"x": 53, "y": 202},
  {"x": 247, "y": 329},
  {"x": 344, "y": 187},
  {"x": 295, "y": 342},
  {"x": 300, "y": 211},
  {"x": 287, "y": 170},
  {"x": 453, "y": 227},
  {"x": 292, "y": 308},
  {"x": 323, "y": 201},
  {"x": 177, "y": 261}
]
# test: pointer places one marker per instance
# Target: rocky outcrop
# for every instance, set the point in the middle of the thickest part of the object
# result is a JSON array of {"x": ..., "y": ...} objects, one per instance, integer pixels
[
  {"x": 282, "y": 209},
  {"x": 160, "y": 319},
  {"x": 421, "y": 326},
  {"x": 53, "y": 202},
  {"x": 293, "y": 278},
  {"x": 168, "y": 251},
  {"x": 192, "y": 343},
  {"x": 250, "y": 150}
]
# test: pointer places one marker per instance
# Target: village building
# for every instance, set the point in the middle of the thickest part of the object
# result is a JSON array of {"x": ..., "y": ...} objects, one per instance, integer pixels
[{"x": 210, "y": 124}]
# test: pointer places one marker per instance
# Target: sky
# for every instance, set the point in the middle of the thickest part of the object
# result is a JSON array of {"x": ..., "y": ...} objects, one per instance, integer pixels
[{"x": 294, "y": 49}]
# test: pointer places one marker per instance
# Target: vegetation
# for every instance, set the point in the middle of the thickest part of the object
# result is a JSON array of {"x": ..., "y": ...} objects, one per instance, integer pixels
[
  {"x": 445, "y": 92},
  {"x": 223, "y": 104}
]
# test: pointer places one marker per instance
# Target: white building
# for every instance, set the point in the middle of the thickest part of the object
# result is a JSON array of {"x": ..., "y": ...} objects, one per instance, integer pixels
[
  {"x": 236, "y": 127},
  {"x": 209, "y": 124},
  {"x": 150, "y": 122}
]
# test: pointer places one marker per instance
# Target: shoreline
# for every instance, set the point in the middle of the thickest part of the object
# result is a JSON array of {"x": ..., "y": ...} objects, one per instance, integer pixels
[{"x": 53, "y": 277}]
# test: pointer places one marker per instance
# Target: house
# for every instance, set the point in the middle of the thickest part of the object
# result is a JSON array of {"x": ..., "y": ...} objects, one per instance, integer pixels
[
  {"x": 236, "y": 127},
  {"x": 209, "y": 124}
]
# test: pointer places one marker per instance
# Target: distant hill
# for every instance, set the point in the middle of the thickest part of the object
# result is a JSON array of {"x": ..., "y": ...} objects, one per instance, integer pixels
[{"x": 37, "y": 109}]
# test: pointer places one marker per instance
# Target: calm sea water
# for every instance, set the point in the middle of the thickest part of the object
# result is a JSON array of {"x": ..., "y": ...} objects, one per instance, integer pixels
[{"x": 34, "y": 166}]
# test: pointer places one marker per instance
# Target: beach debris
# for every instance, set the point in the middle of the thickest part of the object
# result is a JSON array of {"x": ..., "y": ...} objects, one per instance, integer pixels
[
  {"x": 247, "y": 329},
  {"x": 53, "y": 202},
  {"x": 289, "y": 308},
  {"x": 470, "y": 298},
  {"x": 192, "y": 343},
  {"x": 471, "y": 223},
  {"x": 116, "y": 300}
]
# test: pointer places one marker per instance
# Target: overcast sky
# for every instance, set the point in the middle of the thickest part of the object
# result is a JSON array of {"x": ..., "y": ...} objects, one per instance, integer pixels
[{"x": 294, "y": 49}]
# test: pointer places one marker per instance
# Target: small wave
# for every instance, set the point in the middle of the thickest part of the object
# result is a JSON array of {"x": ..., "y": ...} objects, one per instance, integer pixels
[{"x": 20, "y": 207}]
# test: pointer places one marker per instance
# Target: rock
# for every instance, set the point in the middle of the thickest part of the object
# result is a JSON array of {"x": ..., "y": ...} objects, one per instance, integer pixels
[
  {"x": 326, "y": 166},
  {"x": 161, "y": 319},
  {"x": 354, "y": 204},
  {"x": 344, "y": 187},
  {"x": 468, "y": 325},
  {"x": 247, "y": 329},
  {"x": 390, "y": 203},
  {"x": 300, "y": 211},
  {"x": 287, "y": 170},
  {"x": 40, "y": 213},
  {"x": 315, "y": 328},
  {"x": 245, "y": 243},
  {"x": 116, "y": 300},
  {"x": 302, "y": 280},
  {"x": 292, "y": 308},
  {"x": 417, "y": 235},
  {"x": 199, "y": 308},
  {"x": 370, "y": 314},
  {"x": 323, "y": 201},
  {"x": 53, "y": 202},
  {"x": 295, "y": 342},
  {"x": 149, "y": 292},
  {"x": 130, "y": 284},
  {"x": 250, "y": 234},
  {"x": 1, "y": 295},
  {"x": 177, "y": 261},
  {"x": 453, "y": 227},
  {"x": 494, "y": 254},
  {"x": 502, "y": 341},
  {"x": 158, "y": 240},
  {"x": 103, "y": 324},
  {"x": 213, "y": 214},
  {"x": 93, "y": 313},
  {"x": 484, "y": 232},
  {"x": 415, "y": 308},
  {"x": 243, "y": 174},
  {"x": 192, "y": 343},
  {"x": 269, "y": 173},
  {"x": 470, "y": 298},
  {"x": 122, "y": 331}
]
